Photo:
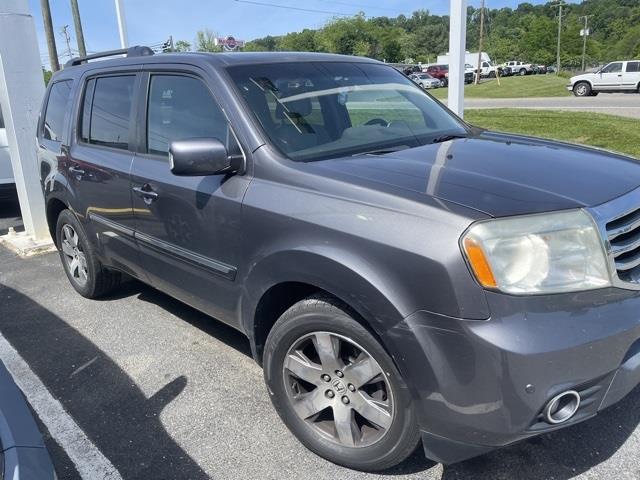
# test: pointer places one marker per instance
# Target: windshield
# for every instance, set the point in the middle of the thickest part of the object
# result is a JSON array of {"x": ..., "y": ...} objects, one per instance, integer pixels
[{"x": 319, "y": 110}]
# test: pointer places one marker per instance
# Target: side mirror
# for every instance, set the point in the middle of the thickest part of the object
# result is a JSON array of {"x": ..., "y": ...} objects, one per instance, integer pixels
[{"x": 202, "y": 156}]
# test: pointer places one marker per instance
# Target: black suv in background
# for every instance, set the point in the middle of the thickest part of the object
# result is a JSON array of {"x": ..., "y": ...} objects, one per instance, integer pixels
[{"x": 402, "y": 276}]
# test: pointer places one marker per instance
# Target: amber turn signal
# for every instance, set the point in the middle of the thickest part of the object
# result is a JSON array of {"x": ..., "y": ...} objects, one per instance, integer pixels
[{"x": 479, "y": 263}]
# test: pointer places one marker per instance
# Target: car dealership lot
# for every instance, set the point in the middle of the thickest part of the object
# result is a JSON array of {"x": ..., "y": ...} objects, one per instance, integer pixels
[{"x": 162, "y": 391}]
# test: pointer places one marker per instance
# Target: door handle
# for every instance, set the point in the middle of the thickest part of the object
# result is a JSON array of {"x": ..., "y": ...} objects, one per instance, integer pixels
[
  {"x": 146, "y": 192},
  {"x": 78, "y": 172}
]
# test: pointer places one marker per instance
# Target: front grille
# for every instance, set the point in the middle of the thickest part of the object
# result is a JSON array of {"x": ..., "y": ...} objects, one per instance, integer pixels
[{"x": 623, "y": 234}]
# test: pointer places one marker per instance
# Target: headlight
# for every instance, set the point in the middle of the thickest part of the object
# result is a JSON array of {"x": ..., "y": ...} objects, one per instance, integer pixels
[{"x": 534, "y": 254}]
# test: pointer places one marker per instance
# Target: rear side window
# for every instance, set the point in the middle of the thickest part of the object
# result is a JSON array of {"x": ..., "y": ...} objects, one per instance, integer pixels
[
  {"x": 633, "y": 67},
  {"x": 57, "y": 106},
  {"x": 106, "y": 113},
  {"x": 181, "y": 107}
]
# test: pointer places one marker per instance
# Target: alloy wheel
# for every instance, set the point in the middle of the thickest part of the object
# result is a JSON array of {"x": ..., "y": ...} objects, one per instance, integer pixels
[
  {"x": 74, "y": 255},
  {"x": 338, "y": 389}
]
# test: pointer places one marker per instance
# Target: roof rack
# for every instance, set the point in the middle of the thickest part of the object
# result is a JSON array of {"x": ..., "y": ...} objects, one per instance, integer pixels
[{"x": 137, "y": 51}]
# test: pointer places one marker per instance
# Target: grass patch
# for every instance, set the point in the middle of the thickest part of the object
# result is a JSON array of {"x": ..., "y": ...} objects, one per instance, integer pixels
[
  {"x": 599, "y": 130},
  {"x": 513, "y": 87}
]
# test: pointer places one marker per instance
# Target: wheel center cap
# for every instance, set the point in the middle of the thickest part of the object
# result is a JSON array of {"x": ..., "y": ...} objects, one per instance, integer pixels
[{"x": 339, "y": 386}]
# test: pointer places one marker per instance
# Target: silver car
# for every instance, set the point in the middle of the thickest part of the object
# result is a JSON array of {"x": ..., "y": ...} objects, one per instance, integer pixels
[{"x": 425, "y": 80}]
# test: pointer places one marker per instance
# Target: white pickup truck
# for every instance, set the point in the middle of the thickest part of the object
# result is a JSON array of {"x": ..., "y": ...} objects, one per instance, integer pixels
[
  {"x": 519, "y": 68},
  {"x": 7, "y": 183},
  {"x": 621, "y": 76}
]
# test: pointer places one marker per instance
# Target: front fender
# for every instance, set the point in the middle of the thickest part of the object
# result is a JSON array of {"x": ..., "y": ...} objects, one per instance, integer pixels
[{"x": 341, "y": 274}]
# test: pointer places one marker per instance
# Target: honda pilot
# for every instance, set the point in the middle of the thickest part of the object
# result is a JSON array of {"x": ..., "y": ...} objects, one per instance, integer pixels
[{"x": 404, "y": 278}]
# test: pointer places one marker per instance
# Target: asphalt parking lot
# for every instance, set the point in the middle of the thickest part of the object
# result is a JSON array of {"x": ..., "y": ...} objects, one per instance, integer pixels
[{"x": 164, "y": 392}]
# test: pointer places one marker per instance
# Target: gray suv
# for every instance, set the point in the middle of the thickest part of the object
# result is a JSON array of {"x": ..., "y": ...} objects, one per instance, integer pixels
[{"x": 403, "y": 277}]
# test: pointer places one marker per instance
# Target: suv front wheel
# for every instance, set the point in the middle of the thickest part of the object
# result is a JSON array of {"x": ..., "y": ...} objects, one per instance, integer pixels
[
  {"x": 337, "y": 389},
  {"x": 84, "y": 271},
  {"x": 582, "y": 89}
]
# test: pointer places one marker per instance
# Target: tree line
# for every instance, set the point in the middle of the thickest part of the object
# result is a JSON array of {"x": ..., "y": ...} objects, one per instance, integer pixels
[{"x": 528, "y": 32}]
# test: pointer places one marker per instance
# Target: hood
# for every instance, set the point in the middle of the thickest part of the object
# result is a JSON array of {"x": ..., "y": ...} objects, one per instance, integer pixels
[{"x": 496, "y": 174}]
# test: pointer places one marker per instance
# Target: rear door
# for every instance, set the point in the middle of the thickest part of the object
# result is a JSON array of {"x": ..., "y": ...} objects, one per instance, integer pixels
[
  {"x": 187, "y": 227},
  {"x": 99, "y": 163},
  {"x": 610, "y": 77},
  {"x": 631, "y": 76}
]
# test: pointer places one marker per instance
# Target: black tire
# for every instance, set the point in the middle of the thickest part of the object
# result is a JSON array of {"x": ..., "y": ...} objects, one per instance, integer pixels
[
  {"x": 594, "y": 94},
  {"x": 99, "y": 280},
  {"x": 582, "y": 89},
  {"x": 492, "y": 74},
  {"x": 324, "y": 315}
]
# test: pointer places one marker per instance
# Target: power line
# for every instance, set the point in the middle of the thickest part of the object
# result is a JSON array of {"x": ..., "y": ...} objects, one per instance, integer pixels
[
  {"x": 287, "y": 7},
  {"x": 359, "y": 5}
]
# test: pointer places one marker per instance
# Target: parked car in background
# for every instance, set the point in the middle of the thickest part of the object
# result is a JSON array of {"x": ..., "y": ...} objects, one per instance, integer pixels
[
  {"x": 441, "y": 72},
  {"x": 505, "y": 71},
  {"x": 519, "y": 68},
  {"x": 426, "y": 81},
  {"x": 7, "y": 182},
  {"x": 621, "y": 76},
  {"x": 542, "y": 69},
  {"x": 488, "y": 70}
]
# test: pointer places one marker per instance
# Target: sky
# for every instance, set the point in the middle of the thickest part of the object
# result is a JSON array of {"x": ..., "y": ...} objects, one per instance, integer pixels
[{"x": 150, "y": 22}]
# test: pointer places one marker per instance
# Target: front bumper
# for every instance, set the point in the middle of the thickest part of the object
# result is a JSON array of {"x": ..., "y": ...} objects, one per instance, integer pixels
[
  {"x": 479, "y": 385},
  {"x": 569, "y": 87}
]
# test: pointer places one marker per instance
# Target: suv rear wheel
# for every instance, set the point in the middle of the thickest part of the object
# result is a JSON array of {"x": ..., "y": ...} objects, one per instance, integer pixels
[
  {"x": 336, "y": 388},
  {"x": 85, "y": 272},
  {"x": 582, "y": 89},
  {"x": 523, "y": 72}
]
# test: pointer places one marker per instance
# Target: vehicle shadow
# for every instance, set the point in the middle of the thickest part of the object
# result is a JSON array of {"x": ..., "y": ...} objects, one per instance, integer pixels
[
  {"x": 221, "y": 331},
  {"x": 102, "y": 399}
]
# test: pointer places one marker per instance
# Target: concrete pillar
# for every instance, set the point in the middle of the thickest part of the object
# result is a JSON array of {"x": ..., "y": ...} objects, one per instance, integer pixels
[
  {"x": 21, "y": 92},
  {"x": 457, "y": 49}
]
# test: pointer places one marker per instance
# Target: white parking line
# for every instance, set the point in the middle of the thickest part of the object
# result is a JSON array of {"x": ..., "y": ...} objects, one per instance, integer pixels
[{"x": 88, "y": 460}]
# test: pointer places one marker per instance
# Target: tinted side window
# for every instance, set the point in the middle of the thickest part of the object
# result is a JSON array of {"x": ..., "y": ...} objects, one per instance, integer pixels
[
  {"x": 633, "y": 67},
  {"x": 110, "y": 112},
  {"x": 181, "y": 107},
  {"x": 57, "y": 106}
]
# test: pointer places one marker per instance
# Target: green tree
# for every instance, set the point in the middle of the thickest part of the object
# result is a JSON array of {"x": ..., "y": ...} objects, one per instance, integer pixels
[
  {"x": 205, "y": 41},
  {"x": 182, "y": 46}
]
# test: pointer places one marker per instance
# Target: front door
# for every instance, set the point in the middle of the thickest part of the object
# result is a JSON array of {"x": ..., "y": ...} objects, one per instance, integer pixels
[
  {"x": 610, "y": 77},
  {"x": 187, "y": 228}
]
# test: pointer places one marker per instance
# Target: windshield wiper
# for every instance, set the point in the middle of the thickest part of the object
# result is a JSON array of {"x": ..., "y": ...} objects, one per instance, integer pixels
[
  {"x": 381, "y": 151},
  {"x": 450, "y": 136}
]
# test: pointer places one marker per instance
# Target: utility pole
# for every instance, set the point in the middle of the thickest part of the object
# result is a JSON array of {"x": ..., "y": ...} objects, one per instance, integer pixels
[
  {"x": 122, "y": 25},
  {"x": 48, "y": 31},
  {"x": 82, "y": 50},
  {"x": 67, "y": 39},
  {"x": 559, "y": 6},
  {"x": 585, "y": 34},
  {"x": 478, "y": 75}
]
